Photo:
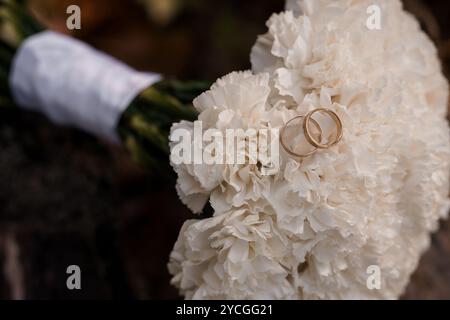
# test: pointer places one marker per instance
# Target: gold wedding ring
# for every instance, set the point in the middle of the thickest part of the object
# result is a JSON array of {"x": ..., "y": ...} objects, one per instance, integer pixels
[
  {"x": 316, "y": 144},
  {"x": 289, "y": 151},
  {"x": 310, "y": 138}
]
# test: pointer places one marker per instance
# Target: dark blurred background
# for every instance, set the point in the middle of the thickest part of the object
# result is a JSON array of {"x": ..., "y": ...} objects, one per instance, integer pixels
[{"x": 67, "y": 198}]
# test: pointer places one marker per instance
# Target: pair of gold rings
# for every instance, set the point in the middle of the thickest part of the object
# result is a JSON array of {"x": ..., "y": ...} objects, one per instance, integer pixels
[{"x": 315, "y": 142}]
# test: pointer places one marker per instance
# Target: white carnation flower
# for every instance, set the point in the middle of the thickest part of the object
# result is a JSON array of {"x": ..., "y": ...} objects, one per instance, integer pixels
[
  {"x": 331, "y": 46},
  {"x": 236, "y": 101},
  {"x": 236, "y": 255},
  {"x": 314, "y": 229}
]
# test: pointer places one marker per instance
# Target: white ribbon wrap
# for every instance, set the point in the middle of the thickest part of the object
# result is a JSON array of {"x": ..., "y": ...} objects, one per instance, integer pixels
[{"x": 74, "y": 84}]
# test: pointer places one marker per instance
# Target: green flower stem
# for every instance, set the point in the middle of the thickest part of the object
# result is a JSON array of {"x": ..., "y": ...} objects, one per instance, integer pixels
[{"x": 145, "y": 125}]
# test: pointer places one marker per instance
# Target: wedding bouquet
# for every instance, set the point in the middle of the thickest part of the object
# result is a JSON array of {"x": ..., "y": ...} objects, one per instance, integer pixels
[
  {"x": 350, "y": 221},
  {"x": 347, "y": 218},
  {"x": 76, "y": 85}
]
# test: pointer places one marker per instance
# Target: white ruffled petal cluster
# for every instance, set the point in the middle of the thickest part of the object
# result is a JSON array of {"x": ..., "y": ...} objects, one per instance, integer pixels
[
  {"x": 233, "y": 255},
  {"x": 314, "y": 229},
  {"x": 236, "y": 101}
]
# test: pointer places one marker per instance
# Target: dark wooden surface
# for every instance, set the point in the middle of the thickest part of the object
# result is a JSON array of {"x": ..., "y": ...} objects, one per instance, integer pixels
[{"x": 66, "y": 198}]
